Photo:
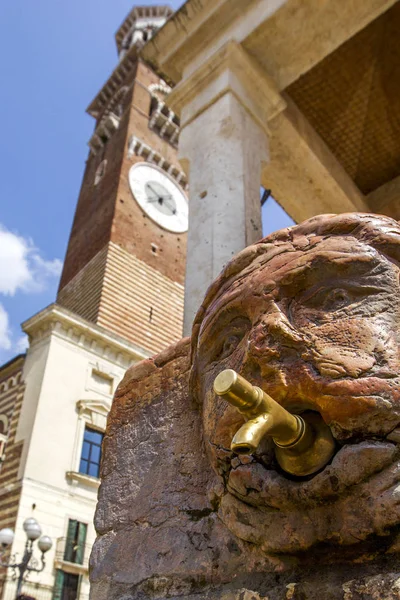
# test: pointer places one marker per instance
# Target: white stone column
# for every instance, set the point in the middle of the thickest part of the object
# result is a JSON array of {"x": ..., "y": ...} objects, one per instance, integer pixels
[
  {"x": 225, "y": 106},
  {"x": 224, "y": 148}
]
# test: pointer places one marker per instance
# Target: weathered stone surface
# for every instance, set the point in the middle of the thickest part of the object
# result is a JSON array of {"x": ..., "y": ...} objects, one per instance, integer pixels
[
  {"x": 308, "y": 314},
  {"x": 311, "y": 315},
  {"x": 159, "y": 533},
  {"x": 380, "y": 587}
]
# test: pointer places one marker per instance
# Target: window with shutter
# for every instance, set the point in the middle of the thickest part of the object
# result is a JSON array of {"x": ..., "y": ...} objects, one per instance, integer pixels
[
  {"x": 66, "y": 586},
  {"x": 58, "y": 585},
  {"x": 75, "y": 543}
]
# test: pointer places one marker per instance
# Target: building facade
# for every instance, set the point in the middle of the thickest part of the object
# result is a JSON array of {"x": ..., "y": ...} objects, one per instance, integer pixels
[
  {"x": 300, "y": 96},
  {"x": 120, "y": 300}
]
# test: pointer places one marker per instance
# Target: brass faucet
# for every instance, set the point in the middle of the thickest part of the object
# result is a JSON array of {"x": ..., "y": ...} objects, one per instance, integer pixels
[{"x": 302, "y": 445}]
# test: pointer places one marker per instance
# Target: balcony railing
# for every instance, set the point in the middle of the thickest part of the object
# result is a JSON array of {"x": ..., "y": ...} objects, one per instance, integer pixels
[
  {"x": 73, "y": 559},
  {"x": 38, "y": 591}
]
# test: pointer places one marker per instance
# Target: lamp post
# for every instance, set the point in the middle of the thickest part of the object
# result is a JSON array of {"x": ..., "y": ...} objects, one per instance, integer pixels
[{"x": 33, "y": 532}]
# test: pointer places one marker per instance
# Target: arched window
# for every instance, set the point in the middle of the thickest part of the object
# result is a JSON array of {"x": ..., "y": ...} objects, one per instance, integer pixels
[
  {"x": 163, "y": 120},
  {"x": 101, "y": 169},
  {"x": 115, "y": 106},
  {"x": 3, "y": 424}
]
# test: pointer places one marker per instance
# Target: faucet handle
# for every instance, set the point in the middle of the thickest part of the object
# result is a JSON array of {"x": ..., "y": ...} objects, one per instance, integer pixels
[
  {"x": 303, "y": 445},
  {"x": 263, "y": 414},
  {"x": 236, "y": 390}
]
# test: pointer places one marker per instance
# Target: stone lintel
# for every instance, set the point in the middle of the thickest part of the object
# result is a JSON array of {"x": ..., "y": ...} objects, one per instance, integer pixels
[
  {"x": 59, "y": 321},
  {"x": 286, "y": 37},
  {"x": 201, "y": 27},
  {"x": 301, "y": 34},
  {"x": 232, "y": 70},
  {"x": 303, "y": 174}
]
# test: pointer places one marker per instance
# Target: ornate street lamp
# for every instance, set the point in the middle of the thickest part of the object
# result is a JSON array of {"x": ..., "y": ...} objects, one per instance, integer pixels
[{"x": 28, "y": 563}]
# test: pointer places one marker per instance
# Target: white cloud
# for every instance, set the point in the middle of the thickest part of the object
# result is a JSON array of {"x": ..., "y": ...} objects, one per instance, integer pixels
[
  {"x": 21, "y": 265},
  {"x": 14, "y": 267},
  {"x": 21, "y": 345},
  {"x": 46, "y": 268},
  {"x": 22, "y": 268},
  {"x": 5, "y": 339}
]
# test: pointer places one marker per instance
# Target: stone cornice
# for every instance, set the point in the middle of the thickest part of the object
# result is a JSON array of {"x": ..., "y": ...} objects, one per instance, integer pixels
[
  {"x": 166, "y": 51},
  {"x": 57, "y": 321},
  {"x": 197, "y": 25},
  {"x": 140, "y": 12},
  {"x": 129, "y": 60},
  {"x": 97, "y": 405},
  {"x": 113, "y": 83},
  {"x": 287, "y": 37},
  {"x": 230, "y": 69}
]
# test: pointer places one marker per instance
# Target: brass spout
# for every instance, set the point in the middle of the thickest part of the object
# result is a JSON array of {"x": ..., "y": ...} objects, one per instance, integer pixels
[
  {"x": 302, "y": 447},
  {"x": 264, "y": 416}
]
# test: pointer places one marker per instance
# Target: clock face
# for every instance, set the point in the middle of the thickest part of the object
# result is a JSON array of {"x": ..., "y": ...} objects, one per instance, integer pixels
[{"x": 161, "y": 198}]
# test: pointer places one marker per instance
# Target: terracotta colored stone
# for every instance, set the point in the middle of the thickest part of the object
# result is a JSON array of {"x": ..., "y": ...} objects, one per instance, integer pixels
[
  {"x": 311, "y": 315},
  {"x": 308, "y": 314}
]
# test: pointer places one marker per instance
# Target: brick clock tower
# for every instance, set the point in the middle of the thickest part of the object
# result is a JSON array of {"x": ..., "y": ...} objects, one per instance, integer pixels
[
  {"x": 120, "y": 300},
  {"x": 125, "y": 262}
]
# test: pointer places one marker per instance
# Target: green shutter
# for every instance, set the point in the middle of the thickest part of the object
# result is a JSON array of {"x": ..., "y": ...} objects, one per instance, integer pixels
[
  {"x": 75, "y": 542},
  {"x": 58, "y": 585},
  {"x": 81, "y": 541},
  {"x": 70, "y": 541}
]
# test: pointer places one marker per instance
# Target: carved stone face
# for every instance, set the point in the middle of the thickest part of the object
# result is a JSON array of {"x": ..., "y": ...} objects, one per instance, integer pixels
[{"x": 317, "y": 326}]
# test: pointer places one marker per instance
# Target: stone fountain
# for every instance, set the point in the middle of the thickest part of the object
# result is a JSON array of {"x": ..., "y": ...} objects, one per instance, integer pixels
[{"x": 310, "y": 317}]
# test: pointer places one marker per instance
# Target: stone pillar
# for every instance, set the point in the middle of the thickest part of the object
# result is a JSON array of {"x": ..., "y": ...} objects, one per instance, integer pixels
[
  {"x": 224, "y": 147},
  {"x": 225, "y": 106}
]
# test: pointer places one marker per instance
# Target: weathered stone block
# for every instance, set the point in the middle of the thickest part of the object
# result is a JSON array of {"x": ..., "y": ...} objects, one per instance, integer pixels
[{"x": 311, "y": 315}]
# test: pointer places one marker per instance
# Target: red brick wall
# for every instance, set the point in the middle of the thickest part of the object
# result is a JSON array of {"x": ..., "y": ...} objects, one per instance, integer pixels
[
  {"x": 11, "y": 396},
  {"x": 132, "y": 229},
  {"x": 139, "y": 303},
  {"x": 108, "y": 211},
  {"x": 118, "y": 290},
  {"x": 91, "y": 229},
  {"x": 82, "y": 294}
]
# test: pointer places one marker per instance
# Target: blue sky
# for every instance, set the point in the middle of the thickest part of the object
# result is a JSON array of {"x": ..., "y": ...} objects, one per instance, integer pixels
[{"x": 54, "y": 57}]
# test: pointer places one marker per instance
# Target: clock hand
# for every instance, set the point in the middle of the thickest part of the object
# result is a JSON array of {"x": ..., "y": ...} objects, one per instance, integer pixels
[
  {"x": 153, "y": 190},
  {"x": 158, "y": 195},
  {"x": 171, "y": 207},
  {"x": 158, "y": 198},
  {"x": 161, "y": 199}
]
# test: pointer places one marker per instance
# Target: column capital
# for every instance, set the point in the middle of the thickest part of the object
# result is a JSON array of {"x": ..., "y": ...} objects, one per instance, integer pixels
[{"x": 230, "y": 70}]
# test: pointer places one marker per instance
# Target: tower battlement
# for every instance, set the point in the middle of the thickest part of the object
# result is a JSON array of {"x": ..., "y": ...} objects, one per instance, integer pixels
[{"x": 139, "y": 26}]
